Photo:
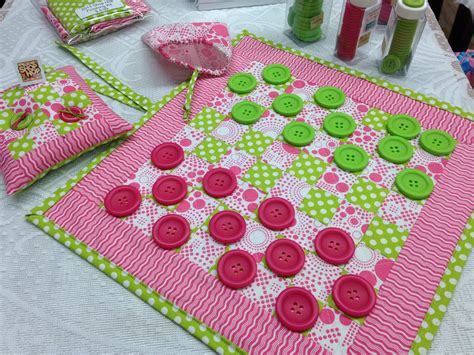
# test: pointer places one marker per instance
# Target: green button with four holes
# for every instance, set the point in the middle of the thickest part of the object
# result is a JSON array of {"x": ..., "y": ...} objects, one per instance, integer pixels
[
  {"x": 288, "y": 105},
  {"x": 350, "y": 157},
  {"x": 414, "y": 184},
  {"x": 437, "y": 142},
  {"x": 403, "y": 126},
  {"x": 298, "y": 134},
  {"x": 339, "y": 125},
  {"x": 242, "y": 83},
  {"x": 276, "y": 74},
  {"x": 395, "y": 149},
  {"x": 246, "y": 112},
  {"x": 329, "y": 97}
]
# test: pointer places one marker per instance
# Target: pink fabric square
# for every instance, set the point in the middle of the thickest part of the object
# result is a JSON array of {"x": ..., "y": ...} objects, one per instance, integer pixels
[
  {"x": 317, "y": 276},
  {"x": 290, "y": 188},
  {"x": 302, "y": 88},
  {"x": 381, "y": 172},
  {"x": 245, "y": 199},
  {"x": 189, "y": 138},
  {"x": 256, "y": 239},
  {"x": 146, "y": 216},
  {"x": 353, "y": 219},
  {"x": 144, "y": 178},
  {"x": 400, "y": 211},
  {"x": 304, "y": 230},
  {"x": 224, "y": 101},
  {"x": 229, "y": 131},
  {"x": 196, "y": 208},
  {"x": 334, "y": 331},
  {"x": 202, "y": 250},
  {"x": 65, "y": 86},
  {"x": 323, "y": 146},
  {"x": 43, "y": 133},
  {"x": 366, "y": 138},
  {"x": 427, "y": 163},
  {"x": 238, "y": 161},
  {"x": 263, "y": 95},
  {"x": 265, "y": 289},
  {"x": 370, "y": 265},
  {"x": 271, "y": 124},
  {"x": 202, "y": 46},
  {"x": 356, "y": 109},
  {"x": 255, "y": 68},
  {"x": 313, "y": 115},
  {"x": 192, "y": 169},
  {"x": 280, "y": 154},
  {"x": 336, "y": 181}
]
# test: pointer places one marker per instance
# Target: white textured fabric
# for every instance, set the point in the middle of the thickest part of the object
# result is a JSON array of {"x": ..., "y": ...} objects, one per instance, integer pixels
[{"x": 51, "y": 301}]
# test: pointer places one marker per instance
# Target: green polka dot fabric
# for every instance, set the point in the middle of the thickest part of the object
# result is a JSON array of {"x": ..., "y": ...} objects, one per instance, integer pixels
[
  {"x": 385, "y": 237},
  {"x": 109, "y": 91},
  {"x": 13, "y": 95},
  {"x": 254, "y": 142},
  {"x": 320, "y": 205},
  {"x": 39, "y": 118},
  {"x": 367, "y": 194},
  {"x": 307, "y": 168},
  {"x": 52, "y": 76},
  {"x": 44, "y": 94},
  {"x": 211, "y": 149},
  {"x": 20, "y": 146},
  {"x": 207, "y": 120},
  {"x": 263, "y": 176},
  {"x": 376, "y": 119},
  {"x": 77, "y": 98},
  {"x": 65, "y": 12},
  {"x": 5, "y": 116},
  {"x": 65, "y": 127}
]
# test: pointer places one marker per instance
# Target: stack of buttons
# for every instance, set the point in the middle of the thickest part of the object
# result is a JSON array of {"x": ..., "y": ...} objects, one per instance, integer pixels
[
  {"x": 351, "y": 26},
  {"x": 305, "y": 18}
]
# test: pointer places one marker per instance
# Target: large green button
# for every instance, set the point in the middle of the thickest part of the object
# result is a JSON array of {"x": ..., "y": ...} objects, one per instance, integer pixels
[
  {"x": 403, "y": 126},
  {"x": 288, "y": 104},
  {"x": 414, "y": 184},
  {"x": 339, "y": 125},
  {"x": 276, "y": 74},
  {"x": 437, "y": 142},
  {"x": 351, "y": 158},
  {"x": 246, "y": 112},
  {"x": 329, "y": 97},
  {"x": 298, "y": 134},
  {"x": 391, "y": 64},
  {"x": 242, "y": 83},
  {"x": 395, "y": 149}
]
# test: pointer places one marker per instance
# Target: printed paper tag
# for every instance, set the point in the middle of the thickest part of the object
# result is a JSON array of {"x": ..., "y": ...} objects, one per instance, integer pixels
[
  {"x": 317, "y": 20},
  {"x": 29, "y": 71},
  {"x": 368, "y": 24},
  {"x": 98, "y": 7}
]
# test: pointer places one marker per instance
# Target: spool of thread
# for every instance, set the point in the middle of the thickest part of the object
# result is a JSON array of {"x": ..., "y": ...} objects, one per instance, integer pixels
[
  {"x": 350, "y": 31},
  {"x": 385, "y": 11}
]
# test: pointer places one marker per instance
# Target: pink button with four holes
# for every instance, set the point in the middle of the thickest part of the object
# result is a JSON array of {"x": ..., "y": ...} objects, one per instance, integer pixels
[
  {"x": 237, "y": 269},
  {"x": 73, "y": 114},
  {"x": 122, "y": 201},
  {"x": 219, "y": 182},
  {"x": 167, "y": 156},
  {"x": 171, "y": 231},
  {"x": 227, "y": 227},
  {"x": 285, "y": 257},
  {"x": 297, "y": 309},
  {"x": 169, "y": 190},
  {"x": 335, "y": 246},
  {"x": 353, "y": 295},
  {"x": 276, "y": 213}
]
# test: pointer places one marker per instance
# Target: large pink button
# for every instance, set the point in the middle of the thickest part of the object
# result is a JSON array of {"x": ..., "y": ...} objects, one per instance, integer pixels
[
  {"x": 171, "y": 231},
  {"x": 169, "y": 190},
  {"x": 227, "y": 227},
  {"x": 353, "y": 295},
  {"x": 72, "y": 114},
  {"x": 285, "y": 257},
  {"x": 297, "y": 309},
  {"x": 219, "y": 182},
  {"x": 122, "y": 201},
  {"x": 236, "y": 269},
  {"x": 276, "y": 213},
  {"x": 167, "y": 156},
  {"x": 334, "y": 246}
]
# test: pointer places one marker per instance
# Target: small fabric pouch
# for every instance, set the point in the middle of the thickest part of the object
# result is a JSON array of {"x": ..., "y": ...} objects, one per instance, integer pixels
[
  {"x": 43, "y": 126},
  {"x": 79, "y": 21}
]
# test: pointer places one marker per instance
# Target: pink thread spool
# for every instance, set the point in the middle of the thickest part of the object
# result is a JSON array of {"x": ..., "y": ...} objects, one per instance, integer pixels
[
  {"x": 385, "y": 11},
  {"x": 353, "y": 21}
]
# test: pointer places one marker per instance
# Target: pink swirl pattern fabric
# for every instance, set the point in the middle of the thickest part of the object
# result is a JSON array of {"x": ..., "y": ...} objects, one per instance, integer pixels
[{"x": 202, "y": 46}]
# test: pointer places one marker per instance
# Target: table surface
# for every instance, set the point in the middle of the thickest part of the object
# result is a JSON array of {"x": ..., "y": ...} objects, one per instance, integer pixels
[{"x": 53, "y": 301}]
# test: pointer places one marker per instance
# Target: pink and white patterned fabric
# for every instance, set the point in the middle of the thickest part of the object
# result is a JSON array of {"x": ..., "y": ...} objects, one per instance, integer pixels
[
  {"x": 353, "y": 219},
  {"x": 26, "y": 155},
  {"x": 202, "y": 46},
  {"x": 139, "y": 7}
]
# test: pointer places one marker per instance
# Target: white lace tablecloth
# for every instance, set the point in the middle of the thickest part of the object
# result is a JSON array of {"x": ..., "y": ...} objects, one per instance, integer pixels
[{"x": 51, "y": 301}]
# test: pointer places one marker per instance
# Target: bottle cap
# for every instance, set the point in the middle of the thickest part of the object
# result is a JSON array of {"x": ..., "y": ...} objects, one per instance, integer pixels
[
  {"x": 365, "y": 4},
  {"x": 411, "y": 9}
]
